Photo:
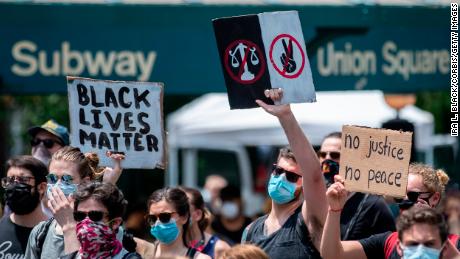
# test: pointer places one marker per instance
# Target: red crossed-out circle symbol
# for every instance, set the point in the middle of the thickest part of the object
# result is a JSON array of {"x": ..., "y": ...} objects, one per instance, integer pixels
[
  {"x": 249, "y": 53},
  {"x": 290, "y": 51}
]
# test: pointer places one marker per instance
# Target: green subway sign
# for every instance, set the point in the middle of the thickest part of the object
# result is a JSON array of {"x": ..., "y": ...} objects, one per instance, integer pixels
[{"x": 395, "y": 49}]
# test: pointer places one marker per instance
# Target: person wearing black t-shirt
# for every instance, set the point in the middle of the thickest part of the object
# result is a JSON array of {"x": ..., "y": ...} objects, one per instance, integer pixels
[
  {"x": 230, "y": 222},
  {"x": 293, "y": 227},
  {"x": 414, "y": 237},
  {"x": 363, "y": 214},
  {"x": 25, "y": 185}
]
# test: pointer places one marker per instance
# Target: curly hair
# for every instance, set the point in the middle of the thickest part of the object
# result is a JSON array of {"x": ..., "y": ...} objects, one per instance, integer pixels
[{"x": 434, "y": 180}]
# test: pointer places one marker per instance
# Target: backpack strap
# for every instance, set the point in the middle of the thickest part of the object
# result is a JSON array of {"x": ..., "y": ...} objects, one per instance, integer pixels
[
  {"x": 355, "y": 217},
  {"x": 191, "y": 252},
  {"x": 42, "y": 232},
  {"x": 390, "y": 244}
]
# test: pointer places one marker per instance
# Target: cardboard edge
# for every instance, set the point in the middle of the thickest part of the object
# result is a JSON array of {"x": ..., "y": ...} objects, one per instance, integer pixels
[{"x": 164, "y": 158}]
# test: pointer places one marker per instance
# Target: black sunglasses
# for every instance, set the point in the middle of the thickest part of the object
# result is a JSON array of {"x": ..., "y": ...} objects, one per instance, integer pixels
[
  {"x": 290, "y": 176},
  {"x": 334, "y": 154},
  {"x": 414, "y": 196},
  {"x": 93, "y": 215},
  {"x": 48, "y": 143},
  {"x": 164, "y": 217}
]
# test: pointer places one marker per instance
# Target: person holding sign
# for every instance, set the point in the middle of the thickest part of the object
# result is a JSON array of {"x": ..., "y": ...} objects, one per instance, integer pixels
[
  {"x": 389, "y": 245},
  {"x": 68, "y": 168},
  {"x": 98, "y": 211},
  {"x": 363, "y": 214},
  {"x": 293, "y": 227}
]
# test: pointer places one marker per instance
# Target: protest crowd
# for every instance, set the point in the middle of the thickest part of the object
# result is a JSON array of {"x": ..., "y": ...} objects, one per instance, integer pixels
[
  {"x": 59, "y": 203},
  {"x": 358, "y": 196}
]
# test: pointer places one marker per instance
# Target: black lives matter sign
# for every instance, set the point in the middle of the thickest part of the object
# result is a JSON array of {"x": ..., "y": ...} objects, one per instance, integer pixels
[
  {"x": 264, "y": 51},
  {"x": 375, "y": 160},
  {"x": 118, "y": 116}
]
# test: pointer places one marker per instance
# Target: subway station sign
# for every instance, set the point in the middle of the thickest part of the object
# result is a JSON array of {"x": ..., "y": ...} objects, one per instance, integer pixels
[{"x": 349, "y": 47}]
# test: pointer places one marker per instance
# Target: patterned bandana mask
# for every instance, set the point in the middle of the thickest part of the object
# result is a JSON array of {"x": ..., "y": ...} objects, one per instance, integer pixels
[{"x": 97, "y": 240}]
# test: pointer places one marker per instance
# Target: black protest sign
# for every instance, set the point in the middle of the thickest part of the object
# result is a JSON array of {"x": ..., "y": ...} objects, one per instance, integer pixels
[
  {"x": 375, "y": 160},
  {"x": 118, "y": 116},
  {"x": 243, "y": 60},
  {"x": 260, "y": 52}
]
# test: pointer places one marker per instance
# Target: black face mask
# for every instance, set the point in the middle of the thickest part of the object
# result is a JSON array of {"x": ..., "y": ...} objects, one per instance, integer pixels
[
  {"x": 20, "y": 199},
  {"x": 329, "y": 168}
]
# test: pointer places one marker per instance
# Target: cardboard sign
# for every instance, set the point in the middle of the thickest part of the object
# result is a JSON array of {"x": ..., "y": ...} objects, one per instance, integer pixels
[
  {"x": 375, "y": 160},
  {"x": 263, "y": 51},
  {"x": 118, "y": 116}
]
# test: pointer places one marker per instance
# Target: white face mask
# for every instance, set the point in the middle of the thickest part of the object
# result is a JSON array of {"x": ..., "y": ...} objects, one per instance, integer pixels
[
  {"x": 230, "y": 210},
  {"x": 41, "y": 153},
  {"x": 206, "y": 195}
]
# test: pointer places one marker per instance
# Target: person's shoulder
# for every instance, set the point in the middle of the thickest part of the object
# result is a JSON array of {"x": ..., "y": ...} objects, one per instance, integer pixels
[{"x": 42, "y": 227}]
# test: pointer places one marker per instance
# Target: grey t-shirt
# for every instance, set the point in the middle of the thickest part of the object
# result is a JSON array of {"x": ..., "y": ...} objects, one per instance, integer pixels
[{"x": 53, "y": 246}]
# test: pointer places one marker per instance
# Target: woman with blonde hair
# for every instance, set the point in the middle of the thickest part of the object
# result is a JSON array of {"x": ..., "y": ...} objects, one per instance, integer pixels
[
  {"x": 425, "y": 186},
  {"x": 246, "y": 251},
  {"x": 68, "y": 168}
]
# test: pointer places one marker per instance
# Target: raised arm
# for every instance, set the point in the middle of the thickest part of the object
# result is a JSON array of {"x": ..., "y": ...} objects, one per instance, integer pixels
[
  {"x": 111, "y": 175},
  {"x": 331, "y": 246},
  {"x": 315, "y": 206}
]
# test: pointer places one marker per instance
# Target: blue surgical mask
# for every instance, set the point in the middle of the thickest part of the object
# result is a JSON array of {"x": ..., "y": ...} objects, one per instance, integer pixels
[
  {"x": 280, "y": 189},
  {"x": 420, "y": 252},
  {"x": 166, "y": 233},
  {"x": 66, "y": 188}
]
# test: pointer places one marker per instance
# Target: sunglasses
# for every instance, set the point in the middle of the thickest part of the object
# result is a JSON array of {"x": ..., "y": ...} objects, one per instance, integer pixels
[
  {"x": 164, "y": 217},
  {"x": 334, "y": 154},
  {"x": 93, "y": 215},
  {"x": 48, "y": 143},
  {"x": 53, "y": 178},
  {"x": 8, "y": 180},
  {"x": 290, "y": 176},
  {"x": 414, "y": 196}
]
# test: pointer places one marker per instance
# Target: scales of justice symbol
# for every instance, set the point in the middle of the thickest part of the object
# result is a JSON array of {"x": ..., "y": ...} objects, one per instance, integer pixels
[{"x": 240, "y": 49}]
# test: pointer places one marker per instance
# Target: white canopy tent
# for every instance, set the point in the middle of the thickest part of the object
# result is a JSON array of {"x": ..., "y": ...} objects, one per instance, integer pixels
[{"x": 208, "y": 123}]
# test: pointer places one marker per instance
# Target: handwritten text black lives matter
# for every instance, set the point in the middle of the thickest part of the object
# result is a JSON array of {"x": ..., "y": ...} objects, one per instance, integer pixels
[{"x": 113, "y": 128}]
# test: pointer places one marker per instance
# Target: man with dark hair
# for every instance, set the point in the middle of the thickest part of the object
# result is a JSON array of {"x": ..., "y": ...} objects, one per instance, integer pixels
[
  {"x": 25, "y": 186},
  {"x": 363, "y": 214},
  {"x": 421, "y": 233},
  {"x": 230, "y": 221},
  {"x": 98, "y": 211},
  {"x": 294, "y": 226},
  {"x": 47, "y": 139}
]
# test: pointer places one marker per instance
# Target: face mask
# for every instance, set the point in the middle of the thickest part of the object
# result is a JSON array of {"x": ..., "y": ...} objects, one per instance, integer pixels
[
  {"x": 97, "y": 240},
  {"x": 41, "y": 153},
  {"x": 420, "y": 252},
  {"x": 206, "y": 195},
  {"x": 166, "y": 233},
  {"x": 67, "y": 189},
  {"x": 229, "y": 210},
  {"x": 329, "y": 168},
  {"x": 281, "y": 190},
  {"x": 20, "y": 199}
]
